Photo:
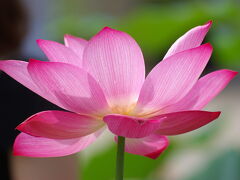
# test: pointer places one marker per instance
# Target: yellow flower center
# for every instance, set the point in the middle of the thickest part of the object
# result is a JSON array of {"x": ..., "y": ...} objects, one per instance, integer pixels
[{"x": 126, "y": 110}]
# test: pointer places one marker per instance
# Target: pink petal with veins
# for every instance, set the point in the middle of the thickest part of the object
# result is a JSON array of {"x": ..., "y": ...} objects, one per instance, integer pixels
[
  {"x": 60, "y": 125},
  {"x": 26, "y": 145},
  {"x": 76, "y": 44},
  {"x": 206, "y": 88},
  {"x": 151, "y": 146},
  {"x": 57, "y": 52},
  {"x": 115, "y": 60},
  {"x": 73, "y": 88},
  {"x": 172, "y": 79},
  {"x": 191, "y": 39}
]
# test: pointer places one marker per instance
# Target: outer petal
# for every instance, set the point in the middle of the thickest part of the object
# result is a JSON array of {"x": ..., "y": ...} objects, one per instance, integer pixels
[
  {"x": 151, "y": 146},
  {"x": 116, "y": 62},
  {"x": 73, "y": 87},
  {"x": 57, "y": 52},
  {"x": 185, "y": 121},
  {"x": 60, "y": 125},
  {"x": 26, "y": 145},
  {"x": 75, "y": 43},
  {"x": 203, "y": 91},
  {"x": 172, "y": 79},
  {"x": 165, "y": 124},
  {"x": 131, "y": 127},
  {"x": 189, "y": 40},
  {"x": 18, "y": 71}
]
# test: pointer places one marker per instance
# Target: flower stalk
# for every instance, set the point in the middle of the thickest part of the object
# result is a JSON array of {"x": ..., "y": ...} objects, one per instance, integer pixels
[{"x": 120, "y": 158}]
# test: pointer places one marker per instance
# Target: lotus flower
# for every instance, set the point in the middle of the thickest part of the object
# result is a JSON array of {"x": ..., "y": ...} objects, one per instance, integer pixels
[{"x": 101, "y": 84}]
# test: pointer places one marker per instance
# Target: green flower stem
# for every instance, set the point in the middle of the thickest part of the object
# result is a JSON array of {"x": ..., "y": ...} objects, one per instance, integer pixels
[{"x": 120, "y": 158}]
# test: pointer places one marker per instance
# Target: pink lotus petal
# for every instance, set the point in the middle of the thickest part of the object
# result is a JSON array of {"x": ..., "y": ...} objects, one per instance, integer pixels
[
  {"x": 189, "y": 40},
  {"x": 203, "y": 91},
  {"x": 57, "y": 52},
  {"x": 60, "y": 125},
  {"x": 151, "y": 146},
  {"x": 76, "y": 44},
  {"x": 184, "y": 121},
  {"x": 165, "y": 124},
  {"x": 129, "y": 126},
  {"x": 26, "y": 145},
  {"x": 116, "y": 62},
  {"x": 172, "y": 79},
  {"x": 18, "y": 71},
  {"x": 73, "y": 87}
]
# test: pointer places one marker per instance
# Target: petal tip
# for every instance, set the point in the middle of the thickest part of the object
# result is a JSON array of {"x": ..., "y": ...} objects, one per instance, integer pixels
[
  {"x": 68, "y": 36},
  {"x": 214, "y": 115},
  {"x": 207, "y": 46},
  {"x": 40, "y": 41},
  {"x": 209, "y": 23},
  {"x": 20, "y": 127},
  {"x": 217, "y": 114},
  {"x": 234, "y": 73},
  {"x": 108, "y": 30},
  {"x": 31, "y": 60},
  {"x": 156, "y": 154},
  {"x": 231, "y": 73},
  {"x": 15, "y": 153}
]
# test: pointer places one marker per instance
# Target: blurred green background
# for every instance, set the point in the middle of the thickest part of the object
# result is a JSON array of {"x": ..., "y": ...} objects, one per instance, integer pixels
[
  {"x": 157, "y": 24},
  {"x": 211, "y": 153}
]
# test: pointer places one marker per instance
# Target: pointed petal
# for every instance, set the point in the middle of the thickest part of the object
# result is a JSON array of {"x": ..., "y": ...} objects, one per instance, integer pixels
[
  {"x": 76, "y": 44},
  {"x": 206, "y": 88},
  {"x": 26, "y": 145},
  {"x": 172, "y": 79},
  {"x": 18, "y": 71},
  {"x": 60, "y": 125},
  {"x": 151, "y": 146},
  {"x": 129, "y": 126},
  {"x": 189, "y": 40},
  {"x": 73, "y": 87},
  {"x": 57, "y": 52},
  {"x": 115, "y": 60},
  {"x": 165, "y": 124},
  {"x": 184, "y": 121}
]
